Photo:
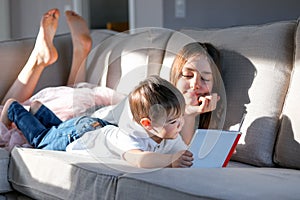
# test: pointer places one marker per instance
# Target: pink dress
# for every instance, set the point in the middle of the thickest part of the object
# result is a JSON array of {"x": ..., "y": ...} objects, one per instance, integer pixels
[{"x": 66, "y": 102}]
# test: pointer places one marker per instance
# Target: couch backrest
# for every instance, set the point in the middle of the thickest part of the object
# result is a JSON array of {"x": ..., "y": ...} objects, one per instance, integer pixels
[
  {"x": 256, "y": 64},
  {"x": 287, "y": 150},
  {"x": 122, "y": 61},
  {"x": 14, "y": 54}
]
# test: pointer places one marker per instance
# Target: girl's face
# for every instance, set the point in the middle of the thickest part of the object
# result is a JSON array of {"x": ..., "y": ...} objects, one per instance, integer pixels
[{"x": 196, "y": 79}]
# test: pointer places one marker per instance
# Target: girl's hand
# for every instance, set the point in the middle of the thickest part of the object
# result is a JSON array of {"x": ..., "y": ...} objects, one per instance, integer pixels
[
  {"x": 182, "y": 159},
  {"x": 206, "y": 104}
]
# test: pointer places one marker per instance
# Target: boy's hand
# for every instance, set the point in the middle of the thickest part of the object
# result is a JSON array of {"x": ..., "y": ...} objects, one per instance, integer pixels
[{"x": 182, "y": 159}]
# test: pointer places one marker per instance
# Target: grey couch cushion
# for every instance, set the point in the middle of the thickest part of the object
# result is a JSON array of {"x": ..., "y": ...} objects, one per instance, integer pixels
[
  {"x": 226, "y": 183},
  {"x": 42, "y": 174},
  {"x": 4, "y": 160},
  {"x": 287, "y": 151},
  {"x": 256, "y": 63},
  {"x": 122, "y": 61}
]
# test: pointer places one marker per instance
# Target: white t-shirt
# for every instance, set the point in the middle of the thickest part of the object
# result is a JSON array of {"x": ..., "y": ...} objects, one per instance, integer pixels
[{"x": 112, "y": 141}]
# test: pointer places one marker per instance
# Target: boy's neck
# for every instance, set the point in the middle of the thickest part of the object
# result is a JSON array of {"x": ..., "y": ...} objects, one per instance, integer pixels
[{"x": 156, "y": 139}]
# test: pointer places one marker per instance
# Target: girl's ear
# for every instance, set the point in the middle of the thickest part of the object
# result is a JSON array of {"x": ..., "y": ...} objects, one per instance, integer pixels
[{"x": 146, "y": 123}]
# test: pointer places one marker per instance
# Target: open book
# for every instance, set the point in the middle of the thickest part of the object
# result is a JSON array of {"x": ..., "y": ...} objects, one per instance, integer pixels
[{"x": 213, "y": 148}]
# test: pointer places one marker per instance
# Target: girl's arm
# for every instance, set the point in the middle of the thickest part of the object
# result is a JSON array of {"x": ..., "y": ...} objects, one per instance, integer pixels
[
  {"x": 146, "y": 159},
  {"x": 207, "y": 104},
  {"x": 188, "y": 129}
]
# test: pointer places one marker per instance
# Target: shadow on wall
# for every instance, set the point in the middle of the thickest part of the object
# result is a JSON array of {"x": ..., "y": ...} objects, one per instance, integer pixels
[
  {"x": 287, "y": 150},
  {"x": 238, "y": 74}
]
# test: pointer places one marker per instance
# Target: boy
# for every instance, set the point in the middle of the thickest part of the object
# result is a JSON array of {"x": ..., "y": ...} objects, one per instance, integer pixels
[{"x": 147, "y": 135}]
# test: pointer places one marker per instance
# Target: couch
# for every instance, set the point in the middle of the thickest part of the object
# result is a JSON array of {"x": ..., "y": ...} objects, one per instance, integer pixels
[{"x": 261, "y": 74}]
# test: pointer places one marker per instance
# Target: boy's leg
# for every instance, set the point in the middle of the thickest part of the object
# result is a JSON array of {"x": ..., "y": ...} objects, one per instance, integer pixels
[
  {"x": 44, "y": 115},
  {"x": 4, "y": 118},
  {"x": 31, "y": 127}
]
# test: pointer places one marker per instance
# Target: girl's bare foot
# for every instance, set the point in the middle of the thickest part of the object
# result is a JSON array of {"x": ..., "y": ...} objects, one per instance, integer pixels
[
  {"x": 82, "y": 44},
  {"x": 44, "y": 49},
  {"x": 80, "y": 32}
]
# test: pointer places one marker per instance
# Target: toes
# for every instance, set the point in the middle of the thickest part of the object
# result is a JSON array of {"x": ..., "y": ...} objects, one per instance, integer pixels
[{"x": 52, "y": 13}]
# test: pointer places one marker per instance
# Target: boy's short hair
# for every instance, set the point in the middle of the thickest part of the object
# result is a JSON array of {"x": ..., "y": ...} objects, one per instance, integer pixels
[{"x": 156, "y": 97}]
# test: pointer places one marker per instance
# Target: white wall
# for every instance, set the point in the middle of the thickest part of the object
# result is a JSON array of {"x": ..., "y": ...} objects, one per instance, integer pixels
[
  {"x": 212, "y": 13},
  {"x": 4, "y": 20},
  {"x": 218, "y": 14},
  {"x": 145, "y": 13},
  {"x": 26, "y": 15}
]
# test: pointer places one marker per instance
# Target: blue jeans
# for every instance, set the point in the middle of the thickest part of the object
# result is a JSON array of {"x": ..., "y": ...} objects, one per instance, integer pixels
[{"x": 45, "y": 130}]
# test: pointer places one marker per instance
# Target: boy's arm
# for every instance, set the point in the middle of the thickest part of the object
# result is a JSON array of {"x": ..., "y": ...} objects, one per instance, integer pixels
[{"x": 147, "y": 159}]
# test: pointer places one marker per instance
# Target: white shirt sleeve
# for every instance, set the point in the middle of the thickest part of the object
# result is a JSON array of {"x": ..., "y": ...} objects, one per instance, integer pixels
[
  {"x": 109, "y": 141},
  {"x": 111, "y": 113}
]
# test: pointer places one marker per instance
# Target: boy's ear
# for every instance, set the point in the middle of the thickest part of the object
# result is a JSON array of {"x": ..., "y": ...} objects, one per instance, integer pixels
[{"x": 146, "y": 123}]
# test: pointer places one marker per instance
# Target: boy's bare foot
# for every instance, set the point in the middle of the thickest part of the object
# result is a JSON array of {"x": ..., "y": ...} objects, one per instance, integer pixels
[
  {"x": 34, "y": 107},
  {"x": 44, "y": 49},
  {"x": 81, "y": 39},
  {"x": 4, "y": 118}
]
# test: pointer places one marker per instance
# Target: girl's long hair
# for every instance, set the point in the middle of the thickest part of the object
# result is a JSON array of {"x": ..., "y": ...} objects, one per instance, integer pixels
[{"x": 214, "y": 119}]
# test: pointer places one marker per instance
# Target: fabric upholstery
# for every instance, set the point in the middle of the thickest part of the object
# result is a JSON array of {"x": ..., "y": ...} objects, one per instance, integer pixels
[
  {"x": 122, "y": 61},
  {"x": 256, "y": 64},
  {"x": 4, "y": 160},
  {"x": 82, "y": 177},
  {"x": 46, "y": 174},
  {"x": 287, "y": 151},
  {"x": 227, "y": 183}
]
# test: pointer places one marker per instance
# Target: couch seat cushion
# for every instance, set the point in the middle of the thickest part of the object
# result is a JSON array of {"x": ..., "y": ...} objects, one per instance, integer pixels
[
  {"x": 42, "y": 174},
  {"x": 216, "y": 183},
  {"x": 4, "y": 160}
]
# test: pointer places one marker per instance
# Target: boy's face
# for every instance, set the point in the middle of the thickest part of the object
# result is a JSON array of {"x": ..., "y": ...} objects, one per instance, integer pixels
[{"x": 170, "y": 129}]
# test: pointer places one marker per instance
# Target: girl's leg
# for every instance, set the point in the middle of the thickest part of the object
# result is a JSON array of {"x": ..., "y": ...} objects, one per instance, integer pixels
[
  {"x": 82, "y": 44},
  {"x": 43, "y": 54}
]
